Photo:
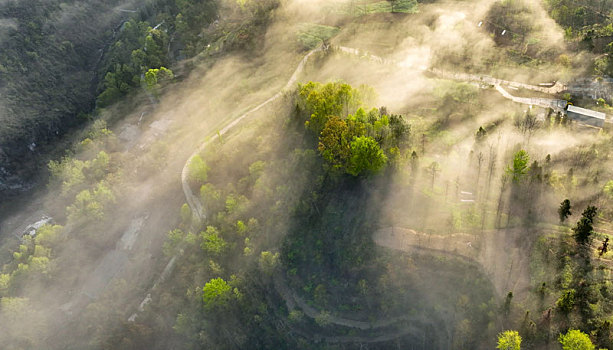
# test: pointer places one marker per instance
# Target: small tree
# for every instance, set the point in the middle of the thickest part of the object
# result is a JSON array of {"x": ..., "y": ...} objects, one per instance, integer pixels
[
  {"x": 434, "y": 168},
  {"x": 366, "y": 156},
  {"x": 216, "y": 293},
  {"x": 212, "y": 242},
  {"x": 268, "y": 262},
  {"x": 564, "y": 210},
  {"x": 197, "y": 170},
  {"x": 155, "y": 76},
  {"x": 575, "y": 340},
  {"x": 608, "y": 189},
  {"x": 520, "y": 166},
  {"x": 509, "y": 340},
  {"x": 480, "y": 135},
  {"x": 186, "y": 214},
  {"x": 584, "y": 227}
]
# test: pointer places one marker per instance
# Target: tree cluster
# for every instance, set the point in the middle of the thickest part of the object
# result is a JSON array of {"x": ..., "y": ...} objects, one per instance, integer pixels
[{"x": 350, "y": 139}]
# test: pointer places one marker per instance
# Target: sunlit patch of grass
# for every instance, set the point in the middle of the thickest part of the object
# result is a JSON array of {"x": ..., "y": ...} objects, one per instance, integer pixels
[
  {"x": 361, "y": 8},
  {"x": 312, "y": 35}
]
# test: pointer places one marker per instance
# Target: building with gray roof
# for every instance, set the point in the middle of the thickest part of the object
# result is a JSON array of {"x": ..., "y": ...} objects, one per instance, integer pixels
[{"x": 586, "y": 116}]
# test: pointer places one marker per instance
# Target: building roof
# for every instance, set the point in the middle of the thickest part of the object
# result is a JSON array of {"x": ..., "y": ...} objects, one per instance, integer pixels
[{"x": 586, "y": 112}]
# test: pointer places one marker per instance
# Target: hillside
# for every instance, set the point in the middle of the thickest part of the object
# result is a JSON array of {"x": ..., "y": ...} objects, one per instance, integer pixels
[{"x": 293, "y": 174}]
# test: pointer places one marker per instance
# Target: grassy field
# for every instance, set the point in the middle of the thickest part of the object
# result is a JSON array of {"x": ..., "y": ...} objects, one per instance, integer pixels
[
  {"x": 361, "y": 8},
  {"x": 311, "y": 35}
]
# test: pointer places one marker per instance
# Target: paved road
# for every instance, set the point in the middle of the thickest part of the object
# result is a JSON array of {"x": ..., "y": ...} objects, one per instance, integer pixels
[{"x": 556, "y": 105}]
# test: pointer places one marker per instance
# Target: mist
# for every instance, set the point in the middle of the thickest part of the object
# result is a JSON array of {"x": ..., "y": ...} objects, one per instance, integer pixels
[{"x": 214, "y": 176}]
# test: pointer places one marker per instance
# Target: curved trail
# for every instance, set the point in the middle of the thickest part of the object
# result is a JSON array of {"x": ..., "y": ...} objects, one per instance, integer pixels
[
  {"x": 506, "y": 269},
  {"x": 496, "y": 254},
  {"x": 387, "y": 237},
  {"x": 192, "y": 200},
  {"x": 555, "y": 104}
]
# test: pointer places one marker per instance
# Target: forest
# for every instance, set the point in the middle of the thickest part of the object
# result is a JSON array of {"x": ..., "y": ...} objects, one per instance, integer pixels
[{"x": 291, "y": 174}]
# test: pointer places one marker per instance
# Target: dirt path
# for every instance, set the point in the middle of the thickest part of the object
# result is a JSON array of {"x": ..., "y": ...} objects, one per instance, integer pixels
[
  {"x": 506, "y": 270},
  {"x": 495, "y": 251},
  {"x": 556, "y": 105},
  {"x": 194, "y": 201},
  {"x": 413, "y": 325}
]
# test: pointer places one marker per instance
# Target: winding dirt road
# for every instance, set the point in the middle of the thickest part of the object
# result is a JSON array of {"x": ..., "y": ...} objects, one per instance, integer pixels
[
  {"x": 507, "y": 271},
  {"x": 192, "y": 200}
]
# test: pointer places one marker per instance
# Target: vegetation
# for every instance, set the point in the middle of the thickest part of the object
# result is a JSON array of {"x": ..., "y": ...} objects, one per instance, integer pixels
[
  {"x": 576, "y": 340},
  {"x": 509, "y": 340},
  {"x": 564, "y": 210},
  {"x": 322, "y": 222},
  {"x": 589, "y": 23},
  {"x": 312, "y": 35},
  {"x": 351, "y": 140}
]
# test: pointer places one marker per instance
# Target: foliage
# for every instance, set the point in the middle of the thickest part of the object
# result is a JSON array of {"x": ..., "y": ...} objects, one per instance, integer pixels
[
  {"x": 322, "y": 101},
  {"x": 212, "y": 242},
  {"x": 351, "y": 139},
  {"x": 197, "y": 170},
  {"x": 575, "y": 340},
  {"x": 608, "y": 189},
  {"x": 567, "y": 301},
  {"x": 366, "y": 156},
  {"x": 268, "y": 262},
  {"x": 564, "y": 210},
  {"x": 509, "y": 340},
  {"x": 311, "y": 35},
  {"x": 90, "y": 205},
  {"x": 186, "y": 214},
  {"x": 154, "y": 77},
  {"x": 362, "y": 8},
  {"x": 584, "y": 229},
  {"x": 216, "y": 293},
  {"x": 519, "y": 167},
  {"x": 335, "y": 143},
  {"x": 514, "y": 16}
]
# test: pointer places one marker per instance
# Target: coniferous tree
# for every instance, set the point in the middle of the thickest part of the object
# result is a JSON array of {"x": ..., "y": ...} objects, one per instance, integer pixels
[
  {"x": 564, "y": 210},
  {"x": 584, "y": 228}
]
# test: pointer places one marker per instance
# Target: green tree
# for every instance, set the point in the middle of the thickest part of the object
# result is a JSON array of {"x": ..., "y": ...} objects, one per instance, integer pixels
[
  {"x": 91, "y": 205},
  {"x": 509, "y": 340},
  {"x": 212, "y": 242},
  {"x": 366, "y": 156},
  {"x": 335, "y": 143},
  {"x": 575, "y": 340},
  {"x": 566, "y": 302},
  {"x": 216, "y": 293},
  {"x": 520, "y": 166},
  {"x": 268, "y": 262},
  {"x": 608, "y": 189},
  {"x": 321, "y": 101},
  {"x": 155, "y": 76},
  {"x": 198, "y": 170},
  {"x": 564, "y": 210},
  {"x": 480, "y": 135},
  {"x": 186, "y": 214},
  {"x": 584, "y": 228},
  {"x": 323, "y": 319}
]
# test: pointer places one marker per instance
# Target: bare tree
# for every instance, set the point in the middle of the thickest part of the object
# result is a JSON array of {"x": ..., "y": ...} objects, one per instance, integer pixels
[
  {"x": 434, "y": 168},
  {"x": 503, "y": 187},
  {"x": 527, "y": 125},
  {"x": 479, "y": 162}
]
